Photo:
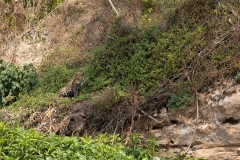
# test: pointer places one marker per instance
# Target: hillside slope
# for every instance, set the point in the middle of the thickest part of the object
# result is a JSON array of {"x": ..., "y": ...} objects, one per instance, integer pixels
[
  {"x": 156, "y": 55},
  {"x": 27, "y": 38}
]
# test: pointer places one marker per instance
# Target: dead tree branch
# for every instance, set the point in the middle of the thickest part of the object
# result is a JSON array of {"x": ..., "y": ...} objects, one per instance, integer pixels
[{"x": 113, "y": 7}]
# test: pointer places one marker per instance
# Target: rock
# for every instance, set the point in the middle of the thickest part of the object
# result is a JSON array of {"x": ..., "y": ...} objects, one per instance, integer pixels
[
  {"x": 219, "y": 115},
  {"x": 230, "y": 91},
  {"x": 216, "y": 96},
  {"x": 196, "y": 147},
  {"x": 176, "y": 150},
  {"x": 216, "y": 154},
  {"x": 163, "y": 141},
  {"x": 238, "y": 151}
]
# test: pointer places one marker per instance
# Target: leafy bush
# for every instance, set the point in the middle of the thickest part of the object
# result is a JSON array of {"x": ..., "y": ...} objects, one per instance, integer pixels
[
  {"x": 149, "y": 3},
  {"x": 179, "y": 100},
  {"x": 54, "y": 73},
  {"x": 15, "y": 81},
  {"x": 238, "y": 79},
  {"x": 29, "y": 144},
  {"x": 53, "y": 4},
  {"x": 55, "y": 77}
]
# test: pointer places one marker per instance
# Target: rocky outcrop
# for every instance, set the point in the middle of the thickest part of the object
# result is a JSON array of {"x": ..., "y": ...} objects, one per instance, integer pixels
[{"x": 217, "y": 135}]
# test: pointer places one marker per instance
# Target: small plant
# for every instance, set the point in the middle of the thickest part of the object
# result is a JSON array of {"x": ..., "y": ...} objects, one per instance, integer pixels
[
  {"x": 179, "y": 100},
  {"x": 15, "y": 81},
  {"x": 149, "y": 3},
  {"x": 238, "y": 79}
]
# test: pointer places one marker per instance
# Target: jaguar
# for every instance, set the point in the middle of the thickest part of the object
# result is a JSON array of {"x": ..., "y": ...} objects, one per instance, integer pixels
[{"x": 73, "y": 87}]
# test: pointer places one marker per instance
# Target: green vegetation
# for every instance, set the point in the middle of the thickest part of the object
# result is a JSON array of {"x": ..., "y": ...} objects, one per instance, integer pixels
[
  {"x": 143, "y": 56},
  {"x": 47, "y": 6},
  {"x": 53, "y": 74},
  {"x": 184, "y": 54},
  {"x": 237, "y": 79},
  {"x": 15, "y": 81},
  {"x": 58, "y": 68},
  {"x": 129, "y": 57},
  {"x": 7, "y": 1},
  {"x": 55, "y": 77},
  {"x": 180, "y": 99},
  {"x": 29, "y": 144},
  {"x": 148, "y": 56},
  {"x": 184, "y": 48},
  {"x": 149, "y": 5},
  {"x": 37, "y": 10}
]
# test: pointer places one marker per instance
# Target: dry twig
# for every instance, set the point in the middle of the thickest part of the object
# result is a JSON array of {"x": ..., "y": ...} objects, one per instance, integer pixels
[
  {"x": 152, "y": 117},
  {"x": 113, "y": 7},
  {"x": 196, "y": 125}
]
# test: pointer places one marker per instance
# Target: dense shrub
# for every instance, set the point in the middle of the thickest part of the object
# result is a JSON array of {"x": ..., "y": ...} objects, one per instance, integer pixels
[
  {"x": 142, "y": 56},
  {"x": 29, "y": 144},
  {"x": 15, "y": 81},
  {"x": 182, "y": 52},
  {"x": 129, "y": 57}
]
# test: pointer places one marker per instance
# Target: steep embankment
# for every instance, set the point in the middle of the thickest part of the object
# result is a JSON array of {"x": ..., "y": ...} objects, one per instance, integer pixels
[{"x": 142, "y": 63}]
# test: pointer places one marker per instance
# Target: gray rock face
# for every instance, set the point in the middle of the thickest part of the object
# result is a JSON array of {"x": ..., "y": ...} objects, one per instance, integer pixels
[{"x": 217, "y": 135}]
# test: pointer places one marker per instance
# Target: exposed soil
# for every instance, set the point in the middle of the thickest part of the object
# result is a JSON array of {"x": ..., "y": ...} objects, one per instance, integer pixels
[{"x": 82, "y": 24}]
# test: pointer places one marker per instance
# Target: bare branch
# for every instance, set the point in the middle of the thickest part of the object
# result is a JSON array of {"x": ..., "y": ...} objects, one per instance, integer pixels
[
  {"x": 152, "y": 117},
  {"x": 113, "y": 7}
]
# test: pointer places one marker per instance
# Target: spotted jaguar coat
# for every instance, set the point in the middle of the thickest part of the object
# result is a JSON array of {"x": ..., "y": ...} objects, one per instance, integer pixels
[{"x": 73, "y": 87}]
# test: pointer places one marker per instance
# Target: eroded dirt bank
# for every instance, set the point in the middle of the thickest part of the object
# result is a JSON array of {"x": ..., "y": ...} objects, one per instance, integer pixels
[
  {"x": 217, "y": 135},
  {"x": 78, "y": 25}
]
